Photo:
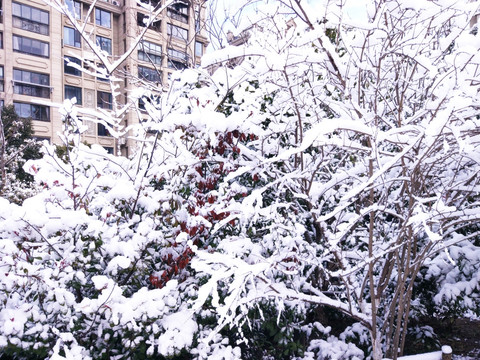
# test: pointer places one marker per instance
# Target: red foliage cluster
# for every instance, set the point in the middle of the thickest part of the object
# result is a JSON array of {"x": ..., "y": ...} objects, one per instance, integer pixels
[
  {"x": 231, "y": 140},
  {"x": 174, "y": 266},
  {"x": 206, "y": 179}
]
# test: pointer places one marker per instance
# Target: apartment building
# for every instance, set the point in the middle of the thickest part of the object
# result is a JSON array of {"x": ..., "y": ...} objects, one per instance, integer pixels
[{"x": 39, "y": 48}]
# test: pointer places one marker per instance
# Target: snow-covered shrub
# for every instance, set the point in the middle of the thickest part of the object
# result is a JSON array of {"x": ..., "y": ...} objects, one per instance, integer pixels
[
  {"x": 448, "y": 287},
  {"x": 77, "y": 263},
  {"x": 369, "y": 155},
  {"x": 333, "y": 348}
]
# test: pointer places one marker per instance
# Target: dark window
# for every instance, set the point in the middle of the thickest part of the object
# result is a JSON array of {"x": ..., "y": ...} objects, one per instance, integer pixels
[
  {"x": 30, "y": 46},
  {"x": 1, "y": 79},
  {"x": 102, "y": 18},
  {"x": 73, "y": 92},
  {"x": 69, "y": 66},
  {"x": 141, "y": 104},
  {"x": 109, "y": 149},
  {"x": 71, "y": 37},
  {"x": 154, "y": 101},
  {"x": 177, "y": 59},
  {"x": 142, "y": 21},
  {"x": 42, "y": 138},
  {"x": 33, "y": 111},
  {"x": 31, "y": 83},
  {"x": 1, "y": 40},
  {"x": 105, "y": 44},
  {"x": 101, "y": 74},
  {"x": 153, "y": 3},
  {"x": 177, "y": 65},
  {"x": 148, "y": 74},
  {"x": 150, "y": 52},
  {"x": 198, "y": 48},
  {"x": 104, "y": 100},
  {"x": 178, "y": 12},
  {"x": 102, "y": 130},
  {"x": 75, "y": 8},
  {"x": 177, "y": 32},
  {"x": 96, "y": 70},
  {"x": 29, "y": 18}
]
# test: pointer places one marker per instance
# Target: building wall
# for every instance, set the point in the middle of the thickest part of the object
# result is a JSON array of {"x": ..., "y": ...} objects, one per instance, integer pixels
[{"x": 23, "y": 85}]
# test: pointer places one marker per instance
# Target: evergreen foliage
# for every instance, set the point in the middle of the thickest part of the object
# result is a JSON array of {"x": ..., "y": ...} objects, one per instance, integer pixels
[{"x": 18, "y": 145}]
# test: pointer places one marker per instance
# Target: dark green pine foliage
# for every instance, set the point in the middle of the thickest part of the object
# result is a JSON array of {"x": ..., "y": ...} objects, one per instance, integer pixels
[{"x": 17, "y": 146}]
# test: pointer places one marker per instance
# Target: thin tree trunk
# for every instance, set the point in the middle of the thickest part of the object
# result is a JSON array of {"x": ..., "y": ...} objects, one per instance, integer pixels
[{"x": 2, "y": 156}]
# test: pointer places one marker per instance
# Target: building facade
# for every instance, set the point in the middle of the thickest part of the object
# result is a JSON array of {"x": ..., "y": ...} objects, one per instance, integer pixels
[{"x": 40, "y": 52}]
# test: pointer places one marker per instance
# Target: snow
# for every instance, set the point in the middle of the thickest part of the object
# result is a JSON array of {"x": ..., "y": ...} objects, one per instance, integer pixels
[
  {"x": 437, "y": 355},
  {"x": 446, "y": 349},
  {"x": 101, "y": 282},
  {"x": 179, "y": 331},
  {"x": 118, "y": 262}
]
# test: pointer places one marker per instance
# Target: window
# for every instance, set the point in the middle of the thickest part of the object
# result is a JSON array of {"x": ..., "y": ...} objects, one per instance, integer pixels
[
  {"x": 153, "y": 3},
  {"x": 152, "y": 100},
  {"x": 197, "y": 21},
  {"x": 105, "y": 44},
  {"x": 177, "y": 32},
  {"x": 177, "y": 54},
  {"x": 33, "y": 111},
  {"x": 101, "y": 73},
  {"x": 104, "y": 100},
  {"x": 31, "y": 83},
  {"x": 150, "y": 52},
  {"x": 102, "y": 18},
  {"x": 73, "y": 92},
  {"x": 29, "y": 18},
  {"x": 109, "y": 149},
  {"x": 1, "y": 40},
  {"x": 42, "y": 138},
  {"x": 198, "y": 48},
  {"x": 71, "y": 37},
  {"x": 69, "y": 68},
  {"x": 102, "y": 130},
  {"x": 141, "y": 104},
  {"x": 177, "y": 65},
  {"x": 75, "y": 8},
  {"x": 177, "y": 59},
  {"x": 2, "y": 88},
  {"x": 30, "y": 46},
  {"x": 148, "y": 74},
  {"x": 178, "y": 12},
  {"x": 142, "y": 21}
]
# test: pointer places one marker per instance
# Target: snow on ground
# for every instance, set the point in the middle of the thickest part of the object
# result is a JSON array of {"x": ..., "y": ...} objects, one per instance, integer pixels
[{"x": 437, "y": 355}]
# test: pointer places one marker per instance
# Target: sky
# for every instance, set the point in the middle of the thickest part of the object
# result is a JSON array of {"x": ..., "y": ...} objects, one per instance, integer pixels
[{"x": 233, "y": 15}]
